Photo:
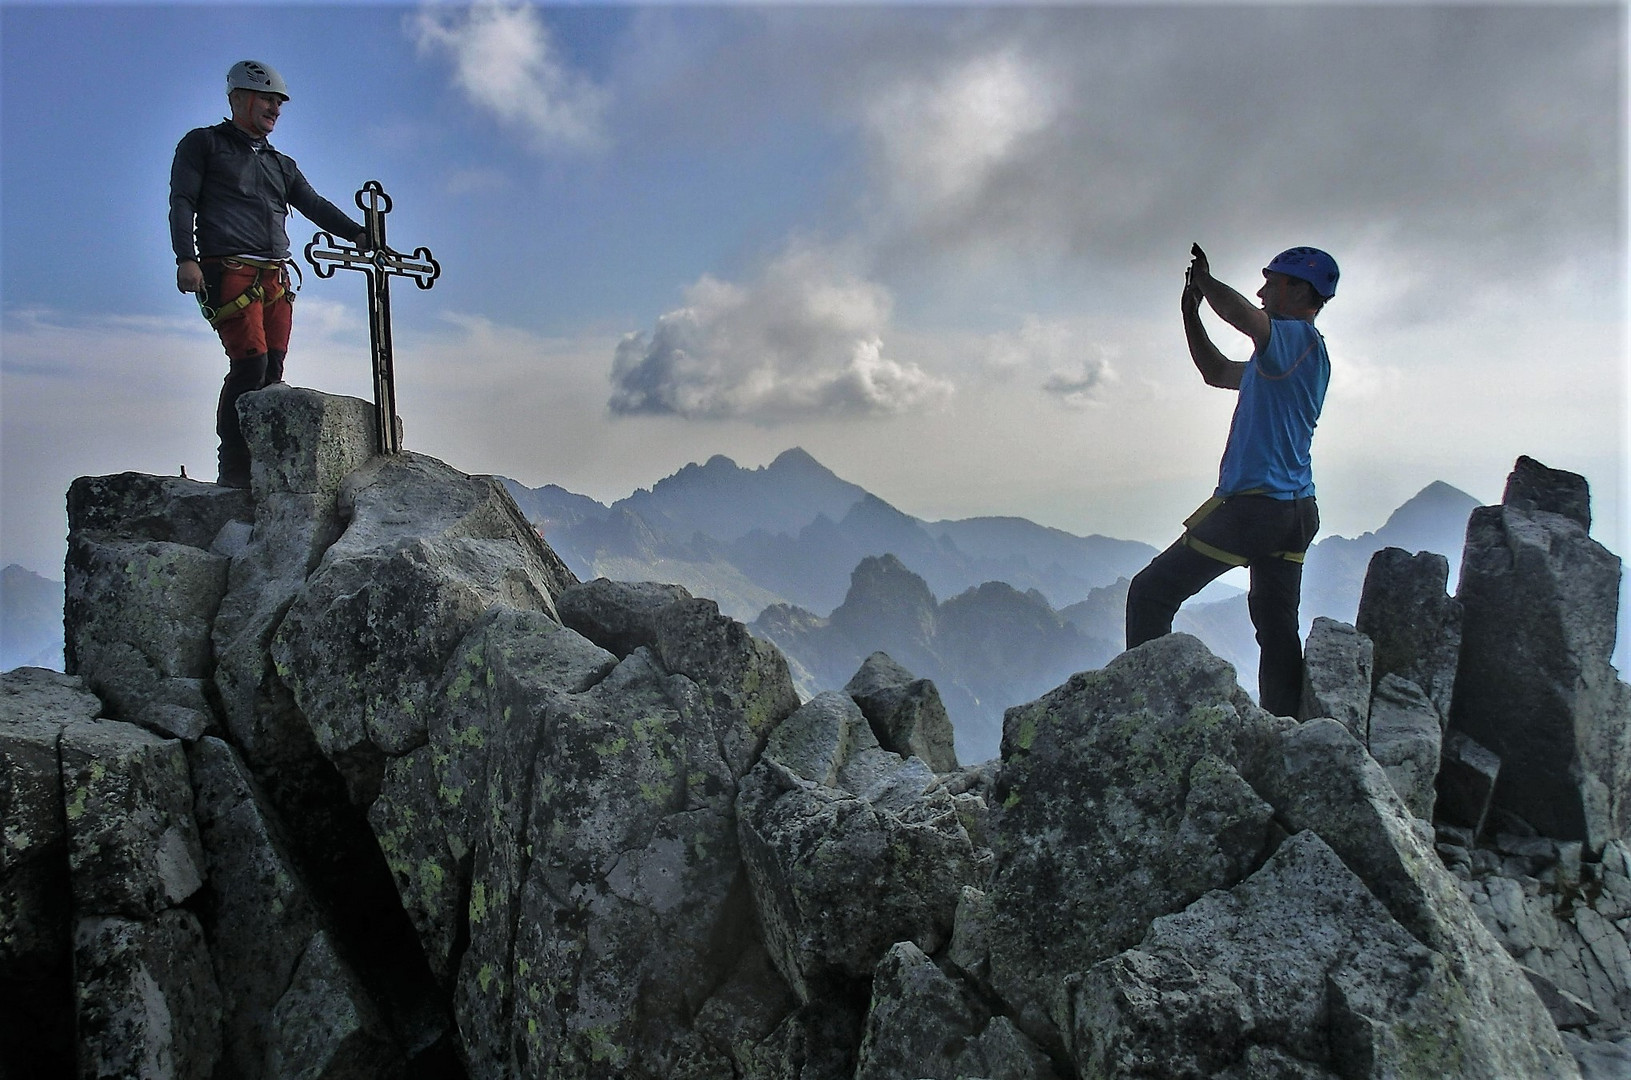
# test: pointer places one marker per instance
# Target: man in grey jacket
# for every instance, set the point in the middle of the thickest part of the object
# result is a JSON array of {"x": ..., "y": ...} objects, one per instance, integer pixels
[{"x": 230, "y": 194}]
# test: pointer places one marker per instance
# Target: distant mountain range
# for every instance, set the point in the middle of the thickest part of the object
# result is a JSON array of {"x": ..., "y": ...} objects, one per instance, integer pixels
[
  {"x": 1024, "y": 606},
  {"x": 988, "y": 647},
  {"x": 30, "y": 620},
  {"x": 791, "y": 532},
  {"x": 996, "y": 610}
]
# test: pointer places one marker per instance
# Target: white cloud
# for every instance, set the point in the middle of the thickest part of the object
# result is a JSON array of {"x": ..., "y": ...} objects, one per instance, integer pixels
[
  {"x": 506, "y": 61},
  {"x": 1077, "y": 386},
  {"x": 1068, "y": 364},
  {"x": 945, "y": 139},
  {"x": 804, "y": 340}
]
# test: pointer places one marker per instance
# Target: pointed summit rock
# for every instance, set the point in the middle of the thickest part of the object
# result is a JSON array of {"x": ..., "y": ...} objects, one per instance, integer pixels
[
  {"x": 1433, "y": 519},
  {"x": 1540, "y": 602},
  {"x": 890, "y": 604},
  {"x": 797, "y": 461}
]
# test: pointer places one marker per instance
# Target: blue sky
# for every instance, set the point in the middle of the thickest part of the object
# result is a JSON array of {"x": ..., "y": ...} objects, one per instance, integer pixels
[{"x": 939, "y": 247}]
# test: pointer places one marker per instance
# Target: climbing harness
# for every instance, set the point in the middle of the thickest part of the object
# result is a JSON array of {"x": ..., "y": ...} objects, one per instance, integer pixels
[
  {"x": 1191, "y": 541},
  {"x": 256, "y": 292}
]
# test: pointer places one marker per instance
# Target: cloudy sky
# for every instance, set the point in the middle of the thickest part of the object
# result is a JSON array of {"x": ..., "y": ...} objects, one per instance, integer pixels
[{"x": 941, "y": 248}]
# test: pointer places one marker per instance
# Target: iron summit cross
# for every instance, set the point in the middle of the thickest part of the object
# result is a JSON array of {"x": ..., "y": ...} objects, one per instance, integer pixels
[{"x": 377, "y": 260}]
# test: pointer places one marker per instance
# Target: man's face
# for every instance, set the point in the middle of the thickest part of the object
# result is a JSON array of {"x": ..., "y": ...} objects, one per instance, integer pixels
[
  {"x": 256, "y": 111},
  {"x": 1281, "y": 294}
]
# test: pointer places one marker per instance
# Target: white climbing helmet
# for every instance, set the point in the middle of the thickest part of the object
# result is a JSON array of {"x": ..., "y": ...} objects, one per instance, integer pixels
[{"x": 254, "y": 75}]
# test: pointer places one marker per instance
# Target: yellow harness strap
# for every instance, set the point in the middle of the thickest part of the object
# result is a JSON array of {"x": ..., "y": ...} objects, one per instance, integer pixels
[
  {"x": 1203, "y": 511},
  {"x": 256, "y": 292},
  {"x": 1212, "y": 552}
]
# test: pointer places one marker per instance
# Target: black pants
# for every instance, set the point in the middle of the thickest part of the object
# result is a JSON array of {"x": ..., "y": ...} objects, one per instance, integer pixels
[
  {"x": 1259, "y": 533},
  {"x": 245, "y": 374}
]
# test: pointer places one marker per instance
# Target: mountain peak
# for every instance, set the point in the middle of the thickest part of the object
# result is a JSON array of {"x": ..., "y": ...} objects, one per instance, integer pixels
[
  {"x": 1423, "y": 517},
  {"x": 1440, "y": 493},
  {"x": 797, "y": 458},
  {"x": 725, "y": 501}
]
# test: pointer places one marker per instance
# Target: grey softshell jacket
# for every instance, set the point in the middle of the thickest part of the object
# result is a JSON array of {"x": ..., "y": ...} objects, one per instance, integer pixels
[{"x": 238, "y": 190}]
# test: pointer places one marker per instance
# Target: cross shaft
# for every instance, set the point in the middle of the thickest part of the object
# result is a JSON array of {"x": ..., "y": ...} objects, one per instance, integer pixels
[{"x": 379, "y": 262}]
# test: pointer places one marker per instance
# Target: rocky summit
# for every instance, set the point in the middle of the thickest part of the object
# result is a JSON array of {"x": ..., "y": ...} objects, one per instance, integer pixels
[{"x": 351, "y": 778}]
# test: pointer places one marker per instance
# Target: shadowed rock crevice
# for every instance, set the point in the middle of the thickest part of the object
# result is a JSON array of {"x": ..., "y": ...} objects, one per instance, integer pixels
[
  {"x": 36, "y": 898},
  {"x": 339, "y": 857}
]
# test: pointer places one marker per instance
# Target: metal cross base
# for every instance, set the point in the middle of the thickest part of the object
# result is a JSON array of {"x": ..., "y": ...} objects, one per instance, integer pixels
[{"x": 376, "y": 259}]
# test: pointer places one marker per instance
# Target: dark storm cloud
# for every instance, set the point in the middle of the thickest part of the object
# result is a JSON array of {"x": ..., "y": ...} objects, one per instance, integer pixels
[
  {"x": 1495, "y": 130},
  {"x": 1109, "y": 132}
]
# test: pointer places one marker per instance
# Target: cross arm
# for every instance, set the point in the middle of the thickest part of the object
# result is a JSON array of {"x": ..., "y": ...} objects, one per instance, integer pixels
[
  {"x": 327, "y": 255},
  {"x": 420, "y": 265}
]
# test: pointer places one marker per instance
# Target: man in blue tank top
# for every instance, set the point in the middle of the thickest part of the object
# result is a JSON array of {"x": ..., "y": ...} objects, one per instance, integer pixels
[{"x": 1262, "y": 515}]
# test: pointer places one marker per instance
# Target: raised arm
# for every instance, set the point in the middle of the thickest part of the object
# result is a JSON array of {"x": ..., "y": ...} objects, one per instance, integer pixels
[
  {"x": 1218, "y": 370},
  {"x": 1231, "y": 307}
]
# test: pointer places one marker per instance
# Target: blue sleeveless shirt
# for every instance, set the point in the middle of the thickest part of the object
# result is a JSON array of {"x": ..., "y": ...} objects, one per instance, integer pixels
[{"x": 1281, "y": 394}]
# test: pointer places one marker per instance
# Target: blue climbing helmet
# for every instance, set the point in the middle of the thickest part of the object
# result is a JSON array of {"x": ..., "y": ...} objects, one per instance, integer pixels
[{"x": 1312, "y": 265}]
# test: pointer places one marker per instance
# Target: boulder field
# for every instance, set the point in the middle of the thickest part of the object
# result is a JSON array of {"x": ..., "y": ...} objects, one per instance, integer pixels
[{"x": 351, "y": 778}]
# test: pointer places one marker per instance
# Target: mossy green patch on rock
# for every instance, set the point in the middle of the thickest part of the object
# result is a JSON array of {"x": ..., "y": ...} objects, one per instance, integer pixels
[
  {"x": 603, "y": 1049},
  {"x": 1027, "y": 732},
  {"x": 76, "y": 805}
]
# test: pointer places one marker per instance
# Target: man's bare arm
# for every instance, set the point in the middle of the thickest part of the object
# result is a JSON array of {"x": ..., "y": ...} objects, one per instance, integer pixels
[
  {"x": 1218, "y": 370},
  {"x": 1231, "y": 307}
]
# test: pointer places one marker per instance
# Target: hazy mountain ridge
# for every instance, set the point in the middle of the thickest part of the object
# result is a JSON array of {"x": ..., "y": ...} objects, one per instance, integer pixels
[
  {"x": 30, "y": 619},
  {"x": 553, "y": 508},
  {"x": 994, "y": 610},
  {"x": 1014, "y": 544},
  {"x": 796, "y": 530},
  {"x": 985, "y": 649},
  {"x": 725, "y": 501}
]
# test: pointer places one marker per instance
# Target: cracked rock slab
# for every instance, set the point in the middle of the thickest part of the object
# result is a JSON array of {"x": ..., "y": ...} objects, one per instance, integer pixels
[
  {"x": 849, "y": 848},
  {"x": 133, "y": 844},
  {"x": 1104, "y": 781},
  {"x": 1299, "y": 959}
]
